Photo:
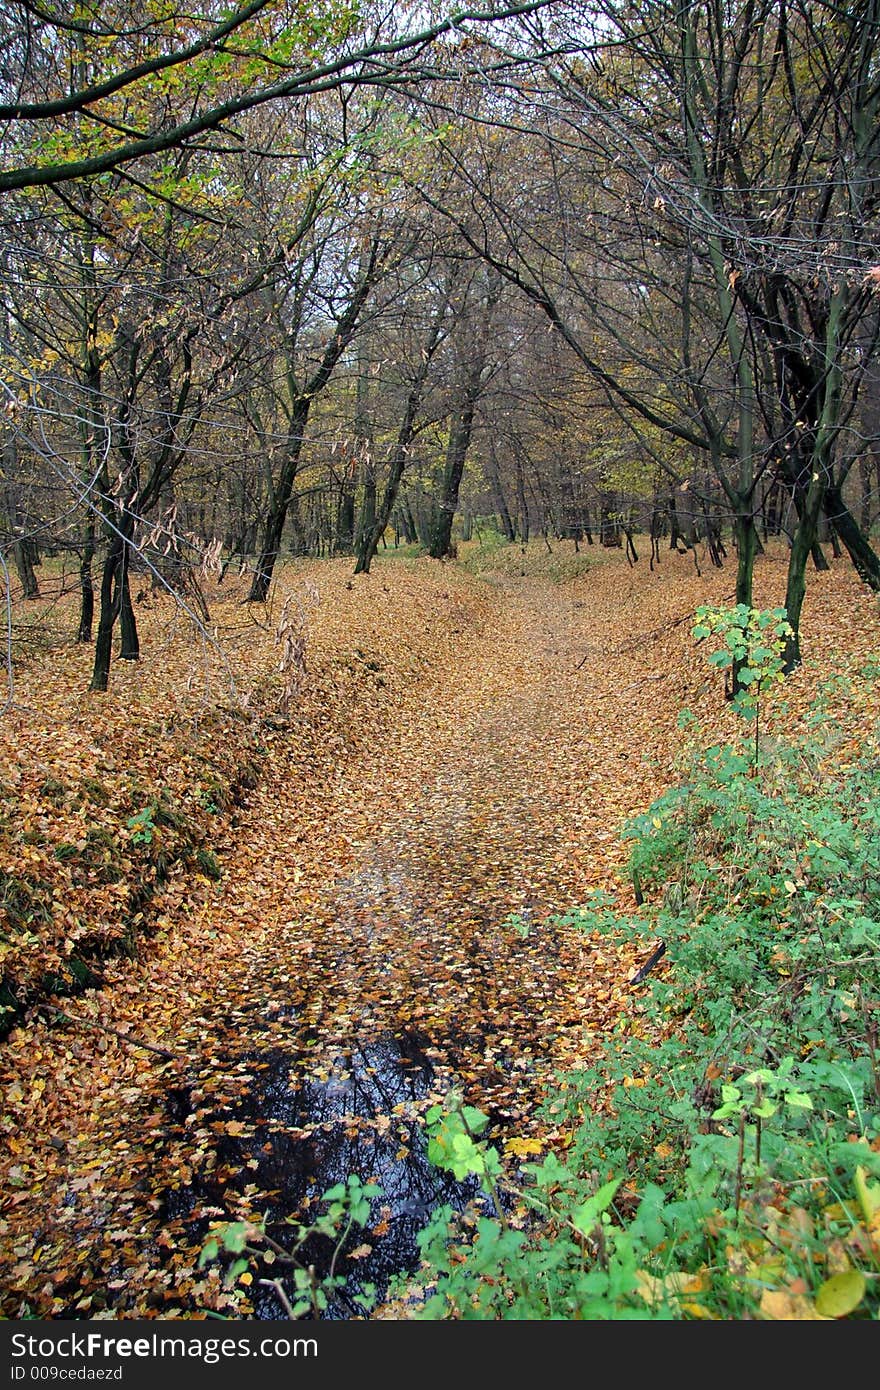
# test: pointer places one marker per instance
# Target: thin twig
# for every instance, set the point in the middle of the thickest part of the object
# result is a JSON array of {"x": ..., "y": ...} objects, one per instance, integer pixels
[
  {"x": 643, "y": 680},
  {"x": 123, "y": 1037},
  {"x": 277, "y": 1285}
]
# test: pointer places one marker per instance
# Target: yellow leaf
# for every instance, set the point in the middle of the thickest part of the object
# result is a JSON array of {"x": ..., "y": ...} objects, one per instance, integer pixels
[
  {"x": 697, "y": 1310},
  {"x": 649, "y": 1286},
  {"x": 523, "y": 1146},
  {"x": 837, "y": 1260},
  {"x": 783, "y": 1305},
  {"x": 841, "y": 1294},
  {"x": 678, "y": 1281},
  {"x": 868, "y": 1194},
  {"x": 840, "y": 1211}
]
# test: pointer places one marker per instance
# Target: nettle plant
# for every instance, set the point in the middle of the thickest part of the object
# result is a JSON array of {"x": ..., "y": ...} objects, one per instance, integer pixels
[{"x": 751, "y": 653}]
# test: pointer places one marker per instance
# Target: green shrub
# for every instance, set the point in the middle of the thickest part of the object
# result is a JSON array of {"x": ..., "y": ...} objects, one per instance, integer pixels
[{"x": 724, "y": 1152}]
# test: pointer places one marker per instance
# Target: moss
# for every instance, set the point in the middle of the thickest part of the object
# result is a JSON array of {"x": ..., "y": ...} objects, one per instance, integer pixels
[
  {"x": 208, "y": 863},
  {"x": 95, "y": 791},
  {"x": 24, "y": 903},
  {"x": 54, "y": 791},
  {"x": 165, "y": 814}
]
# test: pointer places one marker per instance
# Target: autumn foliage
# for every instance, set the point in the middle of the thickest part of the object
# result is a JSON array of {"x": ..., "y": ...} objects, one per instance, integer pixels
[{"x": 351, "y": 817}]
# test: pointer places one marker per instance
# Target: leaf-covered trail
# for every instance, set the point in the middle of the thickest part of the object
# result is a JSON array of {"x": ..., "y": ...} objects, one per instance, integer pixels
[{"x": 367, "y": 896}]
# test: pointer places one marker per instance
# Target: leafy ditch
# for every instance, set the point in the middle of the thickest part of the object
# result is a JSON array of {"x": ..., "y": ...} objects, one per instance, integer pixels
[{"x": 392, "y": 879}]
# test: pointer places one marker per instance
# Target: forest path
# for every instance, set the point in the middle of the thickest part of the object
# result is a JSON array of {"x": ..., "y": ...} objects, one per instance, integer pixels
[{"x": 382, "y": 933}]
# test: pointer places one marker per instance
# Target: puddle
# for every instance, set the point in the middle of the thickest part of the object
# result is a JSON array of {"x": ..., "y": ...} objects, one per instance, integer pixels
[{"x": 358, "y": 1119}]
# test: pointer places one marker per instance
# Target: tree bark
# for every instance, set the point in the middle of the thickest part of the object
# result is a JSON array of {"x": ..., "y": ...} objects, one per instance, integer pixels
[
  {"x": 87, "y": 586},
  {"x": 456, "y": 453},
  {"x": 274, "y": 527},
  {"x": 864, "y": 558}
]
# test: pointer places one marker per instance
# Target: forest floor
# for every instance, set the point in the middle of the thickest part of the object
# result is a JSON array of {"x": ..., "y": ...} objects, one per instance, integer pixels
[{"x": 452, "y": 773}]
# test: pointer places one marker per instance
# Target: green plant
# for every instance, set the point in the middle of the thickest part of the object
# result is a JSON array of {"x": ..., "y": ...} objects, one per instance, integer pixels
[
  {"x": 496, "y": 1262},
  {"x": 208, "y": 863},
  {"x": 721, "y": 1158},
  {"x": 142, "y": 826},
  {"x": 753, "y": 643},
  {"x": 286, "y": 1266}
]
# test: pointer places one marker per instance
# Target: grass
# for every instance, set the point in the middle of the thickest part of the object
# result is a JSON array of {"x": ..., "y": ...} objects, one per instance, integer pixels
[{"x": 555, "y": 560}]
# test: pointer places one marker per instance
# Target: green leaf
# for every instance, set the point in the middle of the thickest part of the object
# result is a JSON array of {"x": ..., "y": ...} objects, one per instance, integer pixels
[
  {"x": 799, "y": 1099},
  {"x": 841, "y": 1294},
  {"x": 466, "y": 1159},
  {"x": 475, "y": 1120},
  {"x": 584, "y": 1217},
  {"x": 761, "y": 1077},
  {"x": 210, "y": 1251},
  {"x": 234, "y": 1237},
  {"x": 867, "y": 1193}
]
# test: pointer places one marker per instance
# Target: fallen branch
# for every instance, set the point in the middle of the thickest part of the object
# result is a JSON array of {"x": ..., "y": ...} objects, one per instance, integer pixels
[
  {"x": 123, "y": 1037},
  {"x": 649, "y": 964},
  {"x": 643, "y": 680},
  {"x": 642, "y": 638},
  {"x": 277, "y": 1285}
]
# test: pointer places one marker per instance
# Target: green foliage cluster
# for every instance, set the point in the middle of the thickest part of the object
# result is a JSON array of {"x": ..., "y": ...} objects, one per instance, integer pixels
[
  {"x": 753, "y": 641},
  {"x": 48, "y": 909},
  {"x": 725, "y": 1150},
  {"x": 239, "y": 1245}
]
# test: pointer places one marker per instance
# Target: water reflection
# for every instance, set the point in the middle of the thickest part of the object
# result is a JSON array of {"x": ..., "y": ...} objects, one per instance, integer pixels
[{"x": 304, "y": 1135}]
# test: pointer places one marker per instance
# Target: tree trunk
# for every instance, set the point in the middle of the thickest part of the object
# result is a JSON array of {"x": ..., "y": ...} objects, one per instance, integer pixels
[
  {"x": 130, "y": 649},
  {"x": 107, "y": 615},
  {"x": 367, "y": 522},
  {"x": 22, "y": 554},
  {"x": 407, "y": 522},
  {"x": 746, "y": 538},
  {"x": 22, "y": 546},
  {"x": 502, "y": 508},
  {"x": 865, "y": 485},
  {"x": 801, "y": 548},
  {"x": 87, "y": 586},
  {"x": 522, "y": 501},
  {"x": 456, "y": 453},
  {"x": 853, "y": 538},
  {"x": 371, "y": 534},
  {"x": 344, "y": 538},
  {"x": 277, "y": 515}
]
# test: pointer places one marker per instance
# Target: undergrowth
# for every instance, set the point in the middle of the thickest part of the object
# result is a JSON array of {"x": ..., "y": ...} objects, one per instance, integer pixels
[
  {"x": 721, "y": 1159},
  {"x": 491, "y": 553},
  {"x": 725, "y": 1151}
]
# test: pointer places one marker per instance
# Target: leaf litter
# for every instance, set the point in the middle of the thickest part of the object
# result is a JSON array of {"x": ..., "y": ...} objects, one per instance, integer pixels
[{"x": 397, "y": 831}]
